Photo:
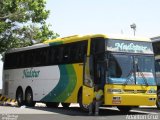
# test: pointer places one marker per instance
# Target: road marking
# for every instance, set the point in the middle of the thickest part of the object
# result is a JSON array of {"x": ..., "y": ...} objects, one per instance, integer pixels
[
  {"x": 23, "y": 110},
  {"x": 140, "y": 111}
]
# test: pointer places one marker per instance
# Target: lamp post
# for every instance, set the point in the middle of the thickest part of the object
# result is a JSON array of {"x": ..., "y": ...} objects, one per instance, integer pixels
[{"x": 133, "y": 26}]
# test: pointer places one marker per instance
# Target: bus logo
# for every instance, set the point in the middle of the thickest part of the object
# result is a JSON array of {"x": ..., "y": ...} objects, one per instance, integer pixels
[
  {"x": 30, "y": 73},
  {"x": 130, "y": 47}
]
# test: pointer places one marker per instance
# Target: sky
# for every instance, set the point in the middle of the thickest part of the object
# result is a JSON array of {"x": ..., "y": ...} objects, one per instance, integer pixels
[{"x": 71, "y": 17}]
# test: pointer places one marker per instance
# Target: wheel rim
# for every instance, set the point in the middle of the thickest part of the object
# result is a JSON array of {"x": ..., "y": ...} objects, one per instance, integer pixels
[
  {"x": 19, "y": 98},
  {"x": 85, "y": 106},
  {"x": 29, "y": 97}
]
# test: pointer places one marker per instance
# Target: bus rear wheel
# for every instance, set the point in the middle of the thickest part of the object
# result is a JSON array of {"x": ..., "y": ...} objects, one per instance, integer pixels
[
  {"x": 29, "y": 98},
  {"x": 19, "y": 97},
  {"x": 52, "y": 104},
  {"x": 124, "y": 109},
  {"x": 158, "y": 99},
  {"x": 65, "y": 105}
]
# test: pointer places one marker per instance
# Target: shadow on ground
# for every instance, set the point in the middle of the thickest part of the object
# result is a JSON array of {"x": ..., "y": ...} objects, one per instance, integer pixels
[{"x": 76, "y": 111}]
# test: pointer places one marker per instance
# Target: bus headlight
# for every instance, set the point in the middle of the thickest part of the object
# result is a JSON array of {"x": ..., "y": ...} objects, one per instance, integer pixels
[
  {"x": 114, "y": 90},
  {"x": 151, "y": 91}
]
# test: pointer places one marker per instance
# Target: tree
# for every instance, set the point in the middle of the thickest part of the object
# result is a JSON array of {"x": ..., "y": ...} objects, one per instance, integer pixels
[{"x": 22, "y": 22}]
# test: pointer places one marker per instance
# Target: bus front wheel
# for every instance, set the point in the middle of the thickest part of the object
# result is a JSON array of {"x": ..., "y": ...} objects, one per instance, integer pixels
[
  {"x": 65, "y": 105},
  {"x": 158, "y": 99},
  {"x": 124, "y": 109},
  {"x": 83, "y": 107},
  {"x": 52, "y": 104}
]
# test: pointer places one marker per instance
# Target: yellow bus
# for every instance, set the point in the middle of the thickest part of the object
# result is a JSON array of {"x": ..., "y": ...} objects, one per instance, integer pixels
[
  {"x": 156, "y": 47},
  {"x": 64, "y": 70}
]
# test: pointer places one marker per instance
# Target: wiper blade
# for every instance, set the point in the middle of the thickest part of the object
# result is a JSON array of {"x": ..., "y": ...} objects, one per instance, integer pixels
[
  {"x": 128, "y": 77},
  {"x": 144, "y": 78},
  {"x": 141, "y": 73}
]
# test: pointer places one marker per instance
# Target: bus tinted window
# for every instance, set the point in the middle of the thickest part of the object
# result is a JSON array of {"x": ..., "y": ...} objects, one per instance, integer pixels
[{"x": 45, "y": 56}]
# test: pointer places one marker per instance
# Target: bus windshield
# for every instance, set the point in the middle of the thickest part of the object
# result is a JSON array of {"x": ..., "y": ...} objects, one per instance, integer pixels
[{"x": 131, "y": 69}]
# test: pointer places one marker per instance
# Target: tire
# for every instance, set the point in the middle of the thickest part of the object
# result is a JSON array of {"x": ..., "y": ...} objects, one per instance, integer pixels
[
  {"x": 52, "y": 104},
  {"x": 65, "y": 105},
  {"x": 158, "y": 99},
  {"x": 19, "y": 97},
  {"x": 83, "y": 107},
  {"x": 29, "y": 98},
  {"x": 124, "y": 109}
]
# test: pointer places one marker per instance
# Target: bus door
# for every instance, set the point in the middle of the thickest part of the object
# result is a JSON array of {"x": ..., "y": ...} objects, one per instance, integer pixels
[
  {"x": 88, "y": 82},
  {"x": 100, "y": 71}
]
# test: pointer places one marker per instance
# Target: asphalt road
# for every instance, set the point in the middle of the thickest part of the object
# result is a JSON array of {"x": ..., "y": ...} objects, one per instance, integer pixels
[{"x": 41, "y": 112}]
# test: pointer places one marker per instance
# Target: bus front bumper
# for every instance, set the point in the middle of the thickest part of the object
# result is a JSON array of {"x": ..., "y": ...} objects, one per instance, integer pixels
[
  {"x": 130, "y": 100},
  {"x": 130, "y": 95}
]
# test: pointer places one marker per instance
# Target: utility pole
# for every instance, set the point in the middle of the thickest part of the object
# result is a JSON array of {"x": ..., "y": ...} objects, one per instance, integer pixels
[{"x": 133, "y": 26}]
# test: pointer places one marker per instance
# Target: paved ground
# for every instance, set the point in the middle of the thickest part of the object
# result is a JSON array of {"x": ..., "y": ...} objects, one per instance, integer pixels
[{"x": 41, "y": 112}]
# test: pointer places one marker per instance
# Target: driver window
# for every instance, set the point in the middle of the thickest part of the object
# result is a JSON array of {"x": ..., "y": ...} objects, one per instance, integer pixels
[{"x": 112, "y": 69}]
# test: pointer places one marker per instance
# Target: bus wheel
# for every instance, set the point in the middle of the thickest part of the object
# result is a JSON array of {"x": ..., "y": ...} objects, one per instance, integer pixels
[
  {"x": 52, "y": 104},
  {"x": 83, "y": 107},
  {"x": 124, "y": 109},
  {"x": 158, "y": 99},
  {"x": 19, "y": 97},
  {"x": 65, "y": 105},
  {"x": 29, "y": 98}
]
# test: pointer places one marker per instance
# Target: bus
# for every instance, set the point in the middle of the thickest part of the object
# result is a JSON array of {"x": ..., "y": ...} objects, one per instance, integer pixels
[
  {"x": 65, "y": 70},
  {"x": 156, "y": 47}
]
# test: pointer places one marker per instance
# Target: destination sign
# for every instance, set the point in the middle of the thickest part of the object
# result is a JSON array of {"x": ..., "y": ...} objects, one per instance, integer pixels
[{"x": 129, "y": 46}]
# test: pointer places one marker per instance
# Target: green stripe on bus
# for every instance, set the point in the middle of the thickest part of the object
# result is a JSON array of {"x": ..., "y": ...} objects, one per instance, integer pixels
[
  {"x": 55, "y": 43},
  {"x": 65, "y": 85},
  {"x": 72, "y": 79},
  {"x": 52, "y": 96}
]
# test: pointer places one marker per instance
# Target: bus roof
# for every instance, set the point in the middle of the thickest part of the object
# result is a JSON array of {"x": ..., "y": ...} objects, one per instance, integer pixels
[
  {"x": 83, "y": 37},
  {"x": 75, "y": 38}
]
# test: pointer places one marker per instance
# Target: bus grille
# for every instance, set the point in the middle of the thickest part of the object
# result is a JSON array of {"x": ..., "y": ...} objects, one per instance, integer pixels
[
  {"x": 129, "y": 91},
  {"x": 135, "y": 91}
]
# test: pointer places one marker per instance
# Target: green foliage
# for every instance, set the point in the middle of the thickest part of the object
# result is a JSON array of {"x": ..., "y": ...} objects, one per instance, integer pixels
[{"x": 22, "y": 22}]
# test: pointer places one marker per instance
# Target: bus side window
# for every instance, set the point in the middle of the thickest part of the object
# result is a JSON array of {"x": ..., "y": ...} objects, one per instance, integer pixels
[
  {"x": 60, "y": 55},
  {"x": 66, "y": 54},
  {"x": 56, "y": 54},
  {"x": 78, "y": 53},
  {"x": 73, "y": 53},
  {"x": 51, "y": 55},
  {"x": 37, "y": 57}
]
